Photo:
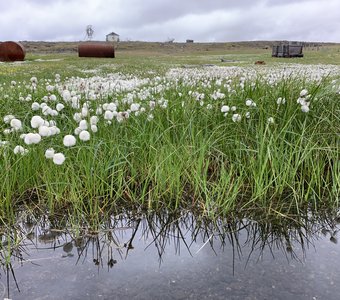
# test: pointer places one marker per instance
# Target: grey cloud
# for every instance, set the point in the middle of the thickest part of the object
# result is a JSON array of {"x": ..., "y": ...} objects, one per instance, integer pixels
[
  {"x": 287, "y": 2},
  {"x": 202, "y": 20},
  {"x": 150, "y": 11}
]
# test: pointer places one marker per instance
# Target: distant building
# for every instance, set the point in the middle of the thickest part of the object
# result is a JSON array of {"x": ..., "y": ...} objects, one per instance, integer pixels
[
  {"x": 189, "y": 41},
  {"x": 112, "y": 37},
  {"x": 288, "y": 49}
]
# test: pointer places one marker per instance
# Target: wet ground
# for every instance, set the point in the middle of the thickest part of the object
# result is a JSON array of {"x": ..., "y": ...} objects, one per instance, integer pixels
[{"x": 167, "y": 257}]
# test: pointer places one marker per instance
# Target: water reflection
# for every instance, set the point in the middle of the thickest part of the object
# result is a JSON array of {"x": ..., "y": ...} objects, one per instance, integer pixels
[{"x": 37, "y": 242}]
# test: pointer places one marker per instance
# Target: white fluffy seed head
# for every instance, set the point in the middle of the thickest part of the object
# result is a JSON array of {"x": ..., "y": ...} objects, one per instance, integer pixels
[
  {"x": 37, "y": 121},
  {"x": 47, "y": 111},
  {"x": 99, "y": 111},
  {"x": 35, "y": 106},
  {"x": 83, "y": 124},
  {"x": 7, "y": 131},
  {"x": 84, "y": 136},
  {"x": 249, "y": 102},
  {"x": 75, "y": 102},
  {"x": 303, "y": 93},
  {"x": 134, "y": 106},
  {"x": 225, "y": 108},
  {"x": 120, "y": 117},
  {"x": 77, "y": 117},
  {"x": 32, "y": 138},
  {"x": 94, "y": 128},
  {"x": 44, "y": 130},
  {"x": 84, "y": 111},
  {"x": 16, "y": 124},
  {"x": 54, "y": 130},
  {"x": 77, "y": 131},
  {"x": 8, "y": 118},
  {"x": 111, "y": 106},
  {"x": 60, "y": 106},
  {"x": 108, "y": 115},
  {"x": 270, "y": 120},
  {"x": 280, "y": 101},
  {"x": 49, "y": 153},
  {"x": 58, "y": 158},
  {"x": 19, "y": 150},
  {"x": 301, "y": 101},
  {"x": 305, "y": 108},
  {"x": 236, "y": 118},
  {"x": 94, "y": 120},
  {"x": 66, "y": 95},
  {"x": 69, "y": 140}
]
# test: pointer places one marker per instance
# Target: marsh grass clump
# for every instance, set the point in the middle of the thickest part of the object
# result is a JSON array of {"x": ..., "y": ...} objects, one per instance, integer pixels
[{"x": 216, "y": 139}]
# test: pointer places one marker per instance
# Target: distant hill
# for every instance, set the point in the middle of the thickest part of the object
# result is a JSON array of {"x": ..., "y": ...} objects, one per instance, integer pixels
[{"x": 132, "y": 46}]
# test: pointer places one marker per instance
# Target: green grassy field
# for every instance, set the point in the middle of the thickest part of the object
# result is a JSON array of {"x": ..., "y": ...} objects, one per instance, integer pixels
[
  {"x": 170, "y": 126},
  {"x": 135, "y": 57}
]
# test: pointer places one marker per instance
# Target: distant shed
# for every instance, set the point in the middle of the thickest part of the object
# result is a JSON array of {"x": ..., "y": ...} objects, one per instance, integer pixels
[
  {"x": 291, "y": 49},
  {"x": 12, "y": 51},
  {"x": 96, "y": 49},
  {"x": 112, "y": 37}
]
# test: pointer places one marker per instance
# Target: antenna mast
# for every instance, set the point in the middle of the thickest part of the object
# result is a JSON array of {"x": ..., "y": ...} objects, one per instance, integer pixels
[{"x": 89, "y": 32}]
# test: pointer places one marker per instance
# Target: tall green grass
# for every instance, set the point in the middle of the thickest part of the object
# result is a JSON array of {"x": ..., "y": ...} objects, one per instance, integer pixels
[{"x": 186, "y": 157}]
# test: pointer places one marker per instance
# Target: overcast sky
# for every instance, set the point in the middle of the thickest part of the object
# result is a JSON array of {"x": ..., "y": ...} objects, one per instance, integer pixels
[{"x": 160, "y": 20}]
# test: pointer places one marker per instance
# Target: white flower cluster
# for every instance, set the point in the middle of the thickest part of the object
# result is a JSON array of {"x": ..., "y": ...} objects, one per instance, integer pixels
[
  {"x": 16, "y": 124},
  {"x": 281, "y": 101},
  {"x": 90, "y": 103},
  {"x": 303, "y": 100},
  {"x": 216, "y": 95},
  {"x": 57, "y": 158}
]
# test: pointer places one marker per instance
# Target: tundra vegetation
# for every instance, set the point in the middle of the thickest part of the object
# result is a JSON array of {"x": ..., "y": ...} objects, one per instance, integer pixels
[{"x": 87, "y": 137}]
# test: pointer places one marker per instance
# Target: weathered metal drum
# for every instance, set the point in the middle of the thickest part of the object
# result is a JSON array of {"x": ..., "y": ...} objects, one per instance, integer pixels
[
  {"x": 11, "y": 51},
  {"x": 96, "y": 49}
]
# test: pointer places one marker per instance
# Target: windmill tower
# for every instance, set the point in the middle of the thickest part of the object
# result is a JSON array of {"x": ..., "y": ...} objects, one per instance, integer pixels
[{"x": 89, "y": 32}]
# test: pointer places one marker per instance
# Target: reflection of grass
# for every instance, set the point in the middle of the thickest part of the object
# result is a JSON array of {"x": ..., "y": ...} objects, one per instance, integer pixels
[{"x": 118, "y": 237}]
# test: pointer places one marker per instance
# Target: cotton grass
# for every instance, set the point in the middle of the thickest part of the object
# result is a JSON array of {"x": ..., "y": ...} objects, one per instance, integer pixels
[
  {"x": 58, "y": 158},
  {"x": 20, "y": 150},
  {"x": 32, "y": 138},
  {"x": 84, "y": 136},
  {"x": 216, "y": 138},
  {"x": 69, "y": 140},
  {"x": 49, "y": 153}
]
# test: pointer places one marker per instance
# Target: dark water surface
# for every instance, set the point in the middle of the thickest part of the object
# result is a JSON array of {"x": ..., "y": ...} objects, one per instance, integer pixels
[{"x": 175, "y": 257}]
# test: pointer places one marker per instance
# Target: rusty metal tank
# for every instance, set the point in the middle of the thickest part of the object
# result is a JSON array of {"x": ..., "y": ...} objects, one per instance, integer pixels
[
  {"x": 11, "y": 51},
  {"x": 96, "y": 49}
]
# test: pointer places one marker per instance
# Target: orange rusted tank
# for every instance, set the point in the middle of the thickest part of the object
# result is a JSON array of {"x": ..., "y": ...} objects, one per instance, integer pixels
[
  {"x": 11, "y": 51},
  {"x": 96, "y": 49}
]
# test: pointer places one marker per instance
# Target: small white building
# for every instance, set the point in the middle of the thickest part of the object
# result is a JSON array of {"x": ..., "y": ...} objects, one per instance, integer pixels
[{"x": 112, "y": 37}]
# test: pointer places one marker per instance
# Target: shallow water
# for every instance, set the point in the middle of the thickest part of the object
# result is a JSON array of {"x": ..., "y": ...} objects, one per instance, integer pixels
[{"x": 176, "y": 257}]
